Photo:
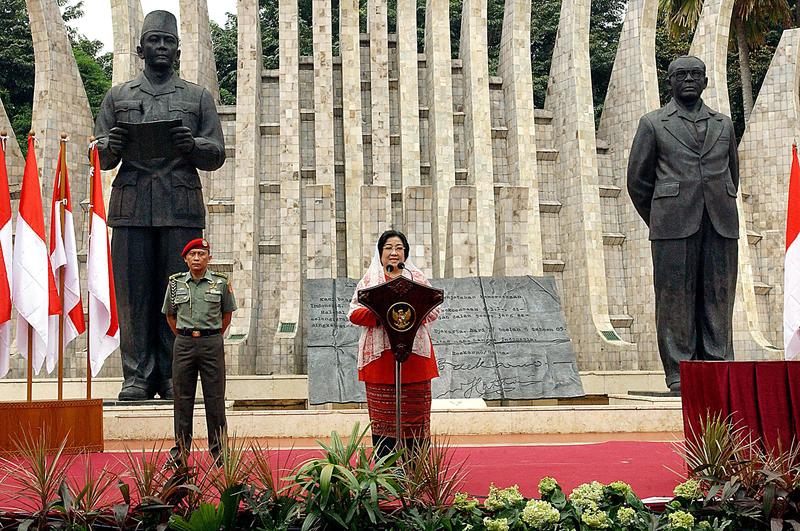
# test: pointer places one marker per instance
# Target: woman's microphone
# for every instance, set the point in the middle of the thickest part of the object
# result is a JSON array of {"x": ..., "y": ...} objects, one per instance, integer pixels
[{"x": 390, "y": 267}]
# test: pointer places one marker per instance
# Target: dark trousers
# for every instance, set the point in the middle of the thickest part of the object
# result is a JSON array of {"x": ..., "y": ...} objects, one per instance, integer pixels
[
  {"x": 695, "y": 286},
  {"x": 204, "y": 356},
  {"x": 144, "y": 258},
  {"x": 386, "y": 446}
]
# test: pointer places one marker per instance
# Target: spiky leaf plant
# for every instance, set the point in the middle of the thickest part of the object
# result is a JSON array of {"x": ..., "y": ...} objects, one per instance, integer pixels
[
  {"x": 431, "y": 474},
  {"x": 271, "y": 497},
  {"x": 157, "y": 486},
  {"x": 37, "y": 474},
  {"x": 85, "y": 500}
]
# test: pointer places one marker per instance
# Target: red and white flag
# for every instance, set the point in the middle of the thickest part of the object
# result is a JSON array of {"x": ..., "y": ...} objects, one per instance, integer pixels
[
  {"x": 64, "y": 261},
  {"x": 33, "y": 287},
  {"x": 791, "y": 272},
  {"x": 103, "y": 322},
  {"x": 5, "y": 262}
]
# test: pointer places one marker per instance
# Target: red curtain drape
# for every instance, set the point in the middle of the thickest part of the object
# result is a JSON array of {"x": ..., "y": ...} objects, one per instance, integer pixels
[{"x": 763, "y": 396}]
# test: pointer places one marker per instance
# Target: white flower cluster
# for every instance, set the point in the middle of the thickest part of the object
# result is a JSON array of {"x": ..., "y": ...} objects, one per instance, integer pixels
[
  {"x": 502, "y": 498},
  {"x": 587, "y": 496},
  {"x": 540, "y": 514}
]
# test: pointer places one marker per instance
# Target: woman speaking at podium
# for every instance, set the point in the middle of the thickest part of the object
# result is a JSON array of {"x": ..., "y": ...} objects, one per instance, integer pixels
[{"x": 376, "y": 361}]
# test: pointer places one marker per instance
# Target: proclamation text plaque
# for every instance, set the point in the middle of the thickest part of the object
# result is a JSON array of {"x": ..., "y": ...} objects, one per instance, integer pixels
[{"x": 495, "y": 338}]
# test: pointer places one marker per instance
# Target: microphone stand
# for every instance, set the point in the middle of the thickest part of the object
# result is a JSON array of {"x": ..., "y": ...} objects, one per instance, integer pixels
[{"x": 398, "y": 383}]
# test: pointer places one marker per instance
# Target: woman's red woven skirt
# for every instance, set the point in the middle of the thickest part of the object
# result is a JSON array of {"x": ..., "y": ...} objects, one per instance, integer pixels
[{"x": 415, "y": 409}]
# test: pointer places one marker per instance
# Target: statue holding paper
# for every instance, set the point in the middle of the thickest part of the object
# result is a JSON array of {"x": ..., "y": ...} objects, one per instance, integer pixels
[{"x": 162, "y": 129}]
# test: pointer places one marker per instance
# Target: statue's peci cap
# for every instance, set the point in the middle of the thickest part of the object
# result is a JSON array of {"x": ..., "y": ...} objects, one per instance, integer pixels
[
  {"x": 160, "y": 20},
  {"x": 197, "y": 243}
]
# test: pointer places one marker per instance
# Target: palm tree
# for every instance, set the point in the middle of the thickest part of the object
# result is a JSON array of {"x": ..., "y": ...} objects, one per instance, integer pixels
[{"x": 751, "y": 20}]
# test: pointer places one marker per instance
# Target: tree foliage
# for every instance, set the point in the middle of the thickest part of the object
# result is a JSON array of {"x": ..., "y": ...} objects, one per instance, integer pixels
[
  {"x": 224, "y": 42},
  {"x": 17, "y": 67}
]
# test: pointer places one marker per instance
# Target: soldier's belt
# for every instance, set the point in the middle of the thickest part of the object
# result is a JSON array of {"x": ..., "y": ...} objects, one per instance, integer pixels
[{"x": 198, "y": 333}]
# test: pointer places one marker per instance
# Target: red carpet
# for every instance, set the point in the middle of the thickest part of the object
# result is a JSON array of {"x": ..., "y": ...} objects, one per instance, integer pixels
[{"x": 646, "y": 466}]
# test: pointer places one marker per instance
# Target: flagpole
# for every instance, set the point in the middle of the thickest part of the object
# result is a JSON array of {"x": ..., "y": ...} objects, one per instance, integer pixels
[
  {"x": 61, "y": 193},
  {"x": 30, "y": 362},
  {"x": 32, "y": 134},
  {"x": 89, "y": 317}
]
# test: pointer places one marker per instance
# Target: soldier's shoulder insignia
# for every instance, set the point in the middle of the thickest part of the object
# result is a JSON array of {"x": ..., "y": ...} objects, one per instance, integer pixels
[
  {"x": 222, "y": 275},
  {"x": 176, "y": 276}
]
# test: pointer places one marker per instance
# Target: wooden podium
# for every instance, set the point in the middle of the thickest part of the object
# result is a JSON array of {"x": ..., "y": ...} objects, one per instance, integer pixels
[
  {"x": 401, "y": 305},
  {"x": 79, "y": 421}
]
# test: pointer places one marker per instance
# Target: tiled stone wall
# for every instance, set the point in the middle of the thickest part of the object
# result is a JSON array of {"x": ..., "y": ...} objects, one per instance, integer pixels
[
  {"x": 408, "y": 88},
  {"x": 197, "y": 56},
  {"x": 320, "y": 250},
  {"x": 15, "y": 163},
  {"x": 378, "y": 75},
  {"x": 478, "y": 126},
  {"x": 59, "y": 102},
  {"x": 569, "y": 98},
  {"x": 327, "y": 152},
  {"x": 418, "y": 204},
  {"x": 374, "y": 203},
  {"x": 352, "y": 139},
  {"x": 324, "y": 126},
  {"x": 245, "y": 252},
  {"x": 710, "y": 43},
  {"x": 126, "y": 23},
  {"x": 462, "y": 242},
  {"x": 440, "y": 121},
  {"x": 518, "y": 120},
  {"x": 632, "y": 92},
  {"x": 765, "y": 157},
  {"x": 287, "y": 339},
  {"x": 511, "y": 219}
]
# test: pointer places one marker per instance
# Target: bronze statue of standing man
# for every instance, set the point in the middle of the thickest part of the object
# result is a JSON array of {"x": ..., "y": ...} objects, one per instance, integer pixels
[
  {"x": 156, "y": 200},
  {"x": 683, "y": 176}
]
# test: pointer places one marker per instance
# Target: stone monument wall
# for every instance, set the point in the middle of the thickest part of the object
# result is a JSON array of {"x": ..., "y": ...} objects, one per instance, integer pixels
[{"x": 328, "y": 151}]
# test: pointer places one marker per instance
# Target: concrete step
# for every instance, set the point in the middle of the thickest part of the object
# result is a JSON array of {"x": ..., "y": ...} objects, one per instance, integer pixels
[
  {"x": 621, "y": 321},
  {"x": 221, "y": 206},
  {"x": 542, "y": 116},
  {"x": 270, "y": 128},
  {"x": 641, "y": 415},
  {"x": 753, "y": 237},
  {"x": 268, "y": 248},
  {"x": 553, "y": 266},
  {"x": 609, "y": 190},
  {"x": 546, "y": 154},
  {"x": 549, "y": 206},
  {"x": 762, "y": 288},
  {"x": 613, "y": 238}
]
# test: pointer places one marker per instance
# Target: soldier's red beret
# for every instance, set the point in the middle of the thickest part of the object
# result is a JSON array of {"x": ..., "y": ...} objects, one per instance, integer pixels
[{"x": 197, "y": 243}]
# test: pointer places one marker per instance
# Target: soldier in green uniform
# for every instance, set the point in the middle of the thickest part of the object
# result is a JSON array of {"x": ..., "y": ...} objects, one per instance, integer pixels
[{"x": 198, "y": 304}]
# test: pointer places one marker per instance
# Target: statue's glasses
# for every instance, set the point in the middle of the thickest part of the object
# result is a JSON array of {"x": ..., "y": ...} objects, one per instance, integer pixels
[{"x": 695, "y": 73}]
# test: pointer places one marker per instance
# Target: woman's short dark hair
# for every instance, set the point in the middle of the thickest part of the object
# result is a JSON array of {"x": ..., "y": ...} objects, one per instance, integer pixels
[{"x": 389, "y": 234}]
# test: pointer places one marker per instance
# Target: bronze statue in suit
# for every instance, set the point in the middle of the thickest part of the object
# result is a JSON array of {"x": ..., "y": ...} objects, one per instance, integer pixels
[{"x": 683, "y": 177}]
